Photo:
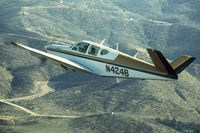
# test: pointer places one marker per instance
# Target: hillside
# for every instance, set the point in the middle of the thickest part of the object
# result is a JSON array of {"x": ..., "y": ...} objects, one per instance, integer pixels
[{"x": 86, "y": 103}]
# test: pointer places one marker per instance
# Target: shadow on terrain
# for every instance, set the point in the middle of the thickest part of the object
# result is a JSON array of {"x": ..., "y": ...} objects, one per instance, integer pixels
[{"x": 180, "y": 126}]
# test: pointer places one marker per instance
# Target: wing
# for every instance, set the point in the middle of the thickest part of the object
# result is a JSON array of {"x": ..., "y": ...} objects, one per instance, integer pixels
[{"x": 59, "y": 60}]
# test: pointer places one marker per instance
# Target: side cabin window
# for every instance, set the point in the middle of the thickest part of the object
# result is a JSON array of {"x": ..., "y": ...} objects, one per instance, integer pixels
[
  {"x": 81, "y": 47},
  {"x": 104, "y": 52},
  {"x": 93, "y": 50}
]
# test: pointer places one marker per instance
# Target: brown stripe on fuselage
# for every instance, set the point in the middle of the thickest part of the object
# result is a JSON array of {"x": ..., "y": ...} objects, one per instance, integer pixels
[
  {"x": 137, "y": 64},
  {"x": 121, "y": 60}
]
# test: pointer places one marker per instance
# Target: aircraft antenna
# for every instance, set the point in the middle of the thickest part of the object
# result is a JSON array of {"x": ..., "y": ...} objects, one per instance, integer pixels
[
  {"x": 102, "y": 41},
  {"x": 117, "y": 46},
  {"x": 135, "y": 56}
]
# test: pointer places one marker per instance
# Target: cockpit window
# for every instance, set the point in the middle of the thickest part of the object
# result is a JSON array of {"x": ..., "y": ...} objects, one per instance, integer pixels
[
  {"x": 93, "y": 50},
  {"x": 75, "y": 48},
  {"x": 82, "y": 47},
  {"x": 104, "y": 52}
]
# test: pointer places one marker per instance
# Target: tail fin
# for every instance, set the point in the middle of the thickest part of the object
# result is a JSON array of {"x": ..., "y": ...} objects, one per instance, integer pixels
[
  {"x": 180, "y": 64},
  {"x": 163, "y": 65},
  {"x": 160, "y": 62}
]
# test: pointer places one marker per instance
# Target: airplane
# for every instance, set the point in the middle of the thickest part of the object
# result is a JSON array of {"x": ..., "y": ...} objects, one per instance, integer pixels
[{"x": 98, "y": 59}]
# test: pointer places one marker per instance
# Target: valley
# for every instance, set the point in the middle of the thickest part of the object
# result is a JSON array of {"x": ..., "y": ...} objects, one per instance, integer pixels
[{"x": 47, "y": 98}]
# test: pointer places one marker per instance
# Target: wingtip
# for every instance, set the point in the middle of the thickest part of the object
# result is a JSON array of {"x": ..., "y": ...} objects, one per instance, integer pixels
[
  {"x": 193, "y": 58},
  {"x": 182, "y": 63},
  {"x": 13, "y": 43}
]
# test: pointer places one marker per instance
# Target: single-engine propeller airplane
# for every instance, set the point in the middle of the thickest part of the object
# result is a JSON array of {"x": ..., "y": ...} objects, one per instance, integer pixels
[{"x": 101, "y": 60}]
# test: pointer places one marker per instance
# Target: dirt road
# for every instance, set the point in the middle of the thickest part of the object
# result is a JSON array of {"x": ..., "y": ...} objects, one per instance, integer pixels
[{"x": 42, "y": 88}]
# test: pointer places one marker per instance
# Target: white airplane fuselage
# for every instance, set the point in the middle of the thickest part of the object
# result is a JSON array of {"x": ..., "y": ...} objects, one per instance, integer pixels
[{"x": 108, "y": 67}]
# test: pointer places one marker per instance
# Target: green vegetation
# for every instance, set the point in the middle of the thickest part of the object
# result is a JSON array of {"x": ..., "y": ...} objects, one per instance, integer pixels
[
  {"x": 110, "y": 124},
  {"x": 100, "y": 104},
  {"x": 5, "y": 79},
  {"x": 180, "y": 126}
]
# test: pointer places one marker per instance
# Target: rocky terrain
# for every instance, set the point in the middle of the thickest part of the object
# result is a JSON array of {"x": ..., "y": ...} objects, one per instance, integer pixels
[{"x": 46, "y": 98}]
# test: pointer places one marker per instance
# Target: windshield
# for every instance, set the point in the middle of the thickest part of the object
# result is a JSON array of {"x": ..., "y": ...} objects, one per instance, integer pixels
[{"x": 81, "y": 47}]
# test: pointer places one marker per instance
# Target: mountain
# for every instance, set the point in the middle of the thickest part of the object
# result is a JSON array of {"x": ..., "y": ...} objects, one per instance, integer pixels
[{"x": 37, "y": 97}]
